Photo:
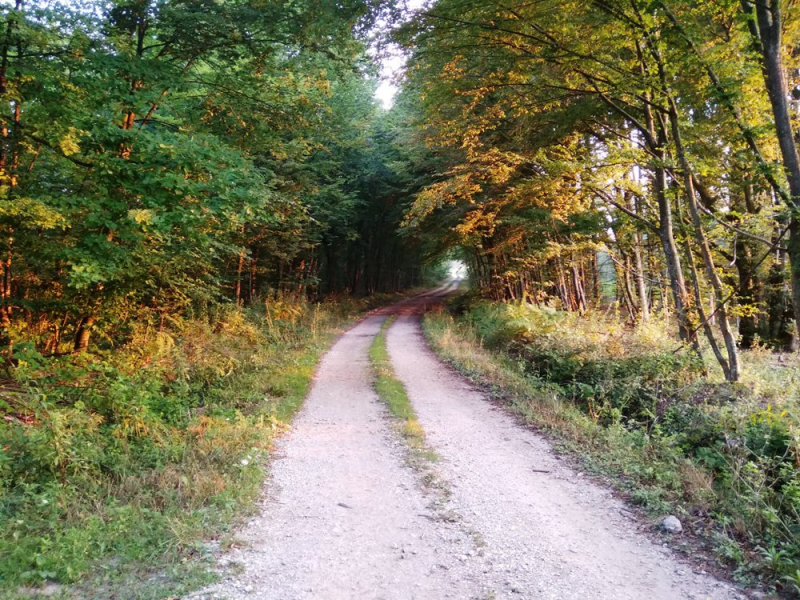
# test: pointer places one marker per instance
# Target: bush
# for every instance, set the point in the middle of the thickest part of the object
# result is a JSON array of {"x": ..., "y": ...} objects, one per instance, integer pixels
[
  {"x": 634, "y": 407},
  {"x": 590, "y": 360},
  {"x": 136, "y": 454}
]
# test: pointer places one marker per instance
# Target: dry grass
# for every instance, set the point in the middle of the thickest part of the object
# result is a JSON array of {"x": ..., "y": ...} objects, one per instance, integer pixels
[{"x": 711, "y": 458}]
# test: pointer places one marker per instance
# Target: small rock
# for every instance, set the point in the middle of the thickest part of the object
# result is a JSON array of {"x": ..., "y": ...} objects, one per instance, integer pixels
[
  {"x": 47, "y": 590},
  {"x": 671, "y": 524}
]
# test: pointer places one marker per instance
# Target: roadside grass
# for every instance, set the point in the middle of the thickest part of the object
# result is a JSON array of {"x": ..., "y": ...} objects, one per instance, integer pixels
[
  {"x": 120, "y": 469},
  {"x": 722, "y": 457},
  {"x": 392, "y": 392}
]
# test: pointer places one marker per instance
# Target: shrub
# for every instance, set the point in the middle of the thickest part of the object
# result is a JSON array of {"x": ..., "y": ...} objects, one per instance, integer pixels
[
  {"x": 135, "y": 454},
  {"x": 633, "y": 406}
]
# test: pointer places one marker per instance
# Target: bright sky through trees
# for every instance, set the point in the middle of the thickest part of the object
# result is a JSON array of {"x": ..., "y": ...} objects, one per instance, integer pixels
[
  {"x": 170, "y": 169},
  {"x": 392, "y": 62}
]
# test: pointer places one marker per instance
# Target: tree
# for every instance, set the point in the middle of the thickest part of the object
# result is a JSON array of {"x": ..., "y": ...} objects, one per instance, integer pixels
[
  {"x": 163, "y": 154},
  {"x": 657, "y": 132}
]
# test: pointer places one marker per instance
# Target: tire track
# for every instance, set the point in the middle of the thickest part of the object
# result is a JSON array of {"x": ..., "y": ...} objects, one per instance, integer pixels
[
  {"x": 547, "y": 532},
  {"x": 343, "y": 516}
]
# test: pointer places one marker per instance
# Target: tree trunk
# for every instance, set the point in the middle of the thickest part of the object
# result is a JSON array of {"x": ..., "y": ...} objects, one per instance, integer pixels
[
  {"x": 624, "y": 282},
  {"x": 767, "y": 36},
  {"x": 83, "y": 333},
  {"x": 253, "y": 276},
  {"x": 9, "y": 146},
  {"x": 657, "y": 141},
  {"x": 706, "y": 324},
  {"x": 731, "y": 367},
  {"x": 239, "y": 271},
  {"x": 671, "y": 256},
  {"x": 641, "y": 285}
]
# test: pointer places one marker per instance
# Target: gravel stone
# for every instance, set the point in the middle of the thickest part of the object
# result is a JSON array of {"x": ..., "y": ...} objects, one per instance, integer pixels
[{"x": 671, "y": 524}]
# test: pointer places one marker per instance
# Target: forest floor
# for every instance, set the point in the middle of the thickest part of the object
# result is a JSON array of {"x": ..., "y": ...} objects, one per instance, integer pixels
[{"x": 495, "y": 514}]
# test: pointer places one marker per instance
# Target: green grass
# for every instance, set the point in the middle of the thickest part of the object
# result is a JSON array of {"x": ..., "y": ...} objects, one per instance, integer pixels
[
  {"x": 117, "y": 468},
  {"x": 719, "y": 456},
  {"x": 392, "y": 392}
]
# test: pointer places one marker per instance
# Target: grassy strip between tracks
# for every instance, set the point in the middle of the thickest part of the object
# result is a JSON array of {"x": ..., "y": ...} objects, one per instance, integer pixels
[{"x": 392, "y": 392}]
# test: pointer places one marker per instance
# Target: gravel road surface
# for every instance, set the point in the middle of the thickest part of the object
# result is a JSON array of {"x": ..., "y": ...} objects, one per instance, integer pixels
[
  {"x": 548, "y": 533},
  {"x": 344, "y": 516}
]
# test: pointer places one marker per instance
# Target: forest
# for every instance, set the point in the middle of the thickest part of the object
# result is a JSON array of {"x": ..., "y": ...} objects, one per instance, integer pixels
[{"x": 197, "y": 195}]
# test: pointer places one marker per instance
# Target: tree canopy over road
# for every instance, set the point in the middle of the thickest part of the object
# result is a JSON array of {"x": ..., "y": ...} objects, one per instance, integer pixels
[
  {"x": 195, "y": 195},
  {"x": 159, "y": 154}
]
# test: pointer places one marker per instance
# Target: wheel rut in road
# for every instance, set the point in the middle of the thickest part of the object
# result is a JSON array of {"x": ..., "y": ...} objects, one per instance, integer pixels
[
  {"x": 548, "y": 533},
  {"x": 344, "y": 516}
]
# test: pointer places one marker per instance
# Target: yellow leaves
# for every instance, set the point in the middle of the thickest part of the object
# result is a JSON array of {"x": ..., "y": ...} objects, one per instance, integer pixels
[
  {"x": 471, "y": 135},
  {"x": 453, "y": 70},
  {"x": 477, "y": 221},
  {"x": 556, "y": 193},
  {"x": 70, "y": 143},
  {"x": 34, "y": 211},
  {"x": 133, "y": 425},
  {"x": 279, "y": 154},
  {"x": 488, "y": 168},
  {"x": 460, "y": 188},
  {"x": 768, "y": 415},
  {"x": 496, "y": 166},
  {"x": 324, "y": 86},
  {"x": 141, "y": 216}
]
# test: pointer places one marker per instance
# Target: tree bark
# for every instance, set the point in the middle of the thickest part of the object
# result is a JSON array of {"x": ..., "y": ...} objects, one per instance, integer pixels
[
  {"x": 83, "y": 333},
  {"x": 641, "y": 285},
  {"x": 9, "y": 145},
  {"x": 731, "y": 366},
  {"x": 767, "y": 37},
  {"x": 657, "y": 141},
  {"x": 239, "y": 272}
]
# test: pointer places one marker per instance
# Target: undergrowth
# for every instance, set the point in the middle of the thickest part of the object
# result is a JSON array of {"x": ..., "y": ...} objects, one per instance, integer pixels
[
  {"x": 116, "y": 466},
  {"x": 725, "y": 457}
]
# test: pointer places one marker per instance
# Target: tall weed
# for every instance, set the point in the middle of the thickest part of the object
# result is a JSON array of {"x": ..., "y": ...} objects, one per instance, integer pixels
[
  {"x": 725, "y": 455},
  {"x": 135, "y": 455}
]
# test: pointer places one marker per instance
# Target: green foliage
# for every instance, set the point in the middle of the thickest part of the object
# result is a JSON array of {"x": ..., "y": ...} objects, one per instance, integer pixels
[
  {"x": 563, "y": 131},
  {"x": 612, "y": 380},
  {"x": 167, "y": 156},
  {"x": 137, "y": 456},
  {"x": 624, "y": 401}
]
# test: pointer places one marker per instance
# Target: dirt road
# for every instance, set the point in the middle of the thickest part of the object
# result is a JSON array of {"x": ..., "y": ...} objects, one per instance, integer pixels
[{"x": 345, "y": 517}]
